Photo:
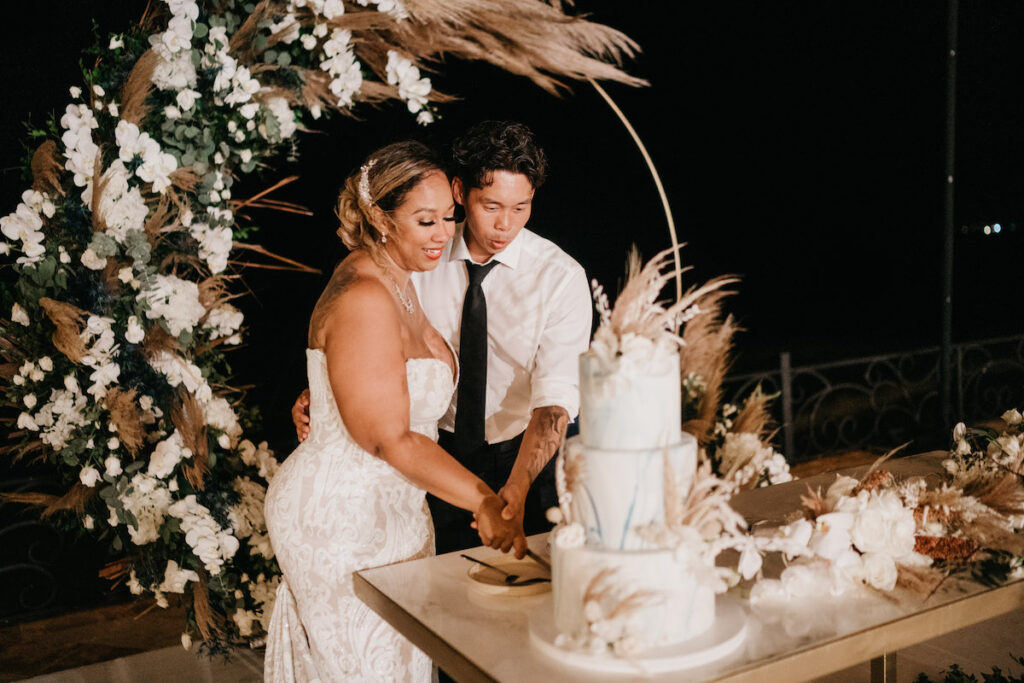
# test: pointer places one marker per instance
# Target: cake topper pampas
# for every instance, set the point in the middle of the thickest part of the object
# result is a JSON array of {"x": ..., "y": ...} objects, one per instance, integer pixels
[{"x": 638, "y": 318}]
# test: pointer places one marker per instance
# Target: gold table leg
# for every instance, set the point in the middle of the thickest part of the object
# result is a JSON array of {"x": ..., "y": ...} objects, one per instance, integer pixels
[{"x": 883, "y": 669}]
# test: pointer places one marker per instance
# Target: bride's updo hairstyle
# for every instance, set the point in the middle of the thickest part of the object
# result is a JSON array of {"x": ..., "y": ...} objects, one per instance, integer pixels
[{"x": 384, "y": 180}]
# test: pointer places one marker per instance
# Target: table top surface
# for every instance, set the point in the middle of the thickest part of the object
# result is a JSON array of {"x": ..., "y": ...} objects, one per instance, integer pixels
[{"x": 481, "y": 637}]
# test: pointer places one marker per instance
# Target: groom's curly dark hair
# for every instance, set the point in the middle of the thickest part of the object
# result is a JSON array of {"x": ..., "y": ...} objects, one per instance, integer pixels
[{"x": 497, "y": 146}]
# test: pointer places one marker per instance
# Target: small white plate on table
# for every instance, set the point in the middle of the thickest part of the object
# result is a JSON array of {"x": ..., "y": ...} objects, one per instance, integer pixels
[{"x": 489, "y": 582}]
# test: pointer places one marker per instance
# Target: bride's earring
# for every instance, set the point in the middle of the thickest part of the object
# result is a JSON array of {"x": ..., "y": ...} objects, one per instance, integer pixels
[{"x": 383, "y": 238}]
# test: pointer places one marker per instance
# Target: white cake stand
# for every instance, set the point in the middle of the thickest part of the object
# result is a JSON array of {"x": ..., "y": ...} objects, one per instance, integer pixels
[{"x": 724, "y": 637}]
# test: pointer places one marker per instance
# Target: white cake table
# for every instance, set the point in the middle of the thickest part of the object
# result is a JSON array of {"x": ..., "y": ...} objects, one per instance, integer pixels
[{"x": 480, "y": 637}]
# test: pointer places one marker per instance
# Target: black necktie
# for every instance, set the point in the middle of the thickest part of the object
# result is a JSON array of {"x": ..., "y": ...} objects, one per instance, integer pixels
[{"x": 469, "y": 408}]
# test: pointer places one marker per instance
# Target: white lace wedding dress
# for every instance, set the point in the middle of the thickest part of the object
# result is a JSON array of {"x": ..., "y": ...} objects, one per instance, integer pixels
[{"x": 333, "y": 509}]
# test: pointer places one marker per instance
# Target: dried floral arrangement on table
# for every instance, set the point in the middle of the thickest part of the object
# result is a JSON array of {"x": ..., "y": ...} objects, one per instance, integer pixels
[
  {"x": 884, "y": 531},
  {"x": 126, "y": 251}
]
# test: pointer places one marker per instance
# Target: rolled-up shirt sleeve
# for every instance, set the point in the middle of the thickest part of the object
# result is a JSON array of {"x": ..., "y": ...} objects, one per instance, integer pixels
[{"x": 555, "y": 379}]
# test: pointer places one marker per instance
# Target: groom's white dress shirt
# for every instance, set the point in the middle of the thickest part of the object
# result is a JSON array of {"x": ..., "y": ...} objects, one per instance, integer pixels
[{"x": 538, "y": 323}]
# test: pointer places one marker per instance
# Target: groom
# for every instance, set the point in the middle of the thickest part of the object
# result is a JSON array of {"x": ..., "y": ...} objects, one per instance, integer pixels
[{"x": 517, "y": 309}]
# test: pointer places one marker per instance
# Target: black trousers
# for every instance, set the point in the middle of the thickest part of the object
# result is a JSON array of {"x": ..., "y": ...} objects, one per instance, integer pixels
[{"x": 492, "y": 463}]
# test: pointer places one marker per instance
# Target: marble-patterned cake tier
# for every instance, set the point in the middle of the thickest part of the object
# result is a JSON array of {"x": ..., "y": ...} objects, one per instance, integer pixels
[{"x": 622, "y": 490}]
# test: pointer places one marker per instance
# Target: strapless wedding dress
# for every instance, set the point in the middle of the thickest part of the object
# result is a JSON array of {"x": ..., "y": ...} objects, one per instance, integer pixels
[{"x": 332, "y": 509}]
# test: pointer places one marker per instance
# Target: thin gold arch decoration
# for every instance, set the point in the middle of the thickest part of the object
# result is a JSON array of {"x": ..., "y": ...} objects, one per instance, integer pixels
[{"x": 657, "y": 182}]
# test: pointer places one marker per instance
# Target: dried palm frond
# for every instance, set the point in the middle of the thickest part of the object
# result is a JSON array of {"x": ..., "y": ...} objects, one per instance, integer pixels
[
  {"x": 187, "y": 416},
  {"x": 138, "y": 87},
  {"x": 1004, "y": 495},
  {"x": 126, "y": 416},
  {"x": 46, "y": 169},
  {"x": 157, "y": 341},
  {"x": 706, "y": 507},
  {"x": 291, "y": 264},
  {"x": 815, "y": 503},
  {"x": 99, "y": 185},
  {"x": 599, "y": 585},
  {"x": 241, "y": 41},
  {"x": 159, "y": 217},
  {"x": 635, "y": 601},
  {"x": 75, "y": 499},
  {"x": 706, "y": 353},
  {"x": 524, "y": 37},
  {"x": 207, "y": 621},
  {"x": 637, "y": 311},
  {"x": 68, "y": 319},
  {"x": 881, "y": 460},
  {"x": 213, "y": 291},
  {"x": 185, "y": 179},
  {"x": 754, "y": 417},
  {"x": 118, "y": 569}
]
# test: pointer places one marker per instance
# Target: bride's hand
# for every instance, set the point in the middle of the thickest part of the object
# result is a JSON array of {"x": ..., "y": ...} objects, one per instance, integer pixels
[
  {"x": 494, "y": 530},
  {"x": 300, "y": 415}
]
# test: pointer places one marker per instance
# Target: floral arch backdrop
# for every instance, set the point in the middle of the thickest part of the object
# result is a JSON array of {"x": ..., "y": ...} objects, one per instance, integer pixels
[{"x": 126, "y": 254}]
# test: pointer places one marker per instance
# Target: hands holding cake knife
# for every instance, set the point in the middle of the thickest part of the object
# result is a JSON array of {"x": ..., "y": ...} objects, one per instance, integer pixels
[{"x": 541, "y": 441}]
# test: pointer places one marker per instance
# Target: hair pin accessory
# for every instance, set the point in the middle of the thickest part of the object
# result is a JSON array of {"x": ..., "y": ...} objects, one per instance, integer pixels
[{"x": 364, "y": 182}]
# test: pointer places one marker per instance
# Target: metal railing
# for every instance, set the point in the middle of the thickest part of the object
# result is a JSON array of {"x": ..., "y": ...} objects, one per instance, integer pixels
[{"x": 880, "y": 402}]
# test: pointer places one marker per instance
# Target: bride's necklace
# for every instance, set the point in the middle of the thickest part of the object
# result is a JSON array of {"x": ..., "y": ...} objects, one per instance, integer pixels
[{"x": 406, "y": 301}]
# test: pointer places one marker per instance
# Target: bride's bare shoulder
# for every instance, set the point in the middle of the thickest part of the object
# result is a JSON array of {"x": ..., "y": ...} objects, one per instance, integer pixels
[{"x": 352, "y": 289}]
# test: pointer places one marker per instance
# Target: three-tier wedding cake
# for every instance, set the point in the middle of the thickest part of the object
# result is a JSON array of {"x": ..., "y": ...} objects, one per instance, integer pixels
[{"x": 615, "y": 586}]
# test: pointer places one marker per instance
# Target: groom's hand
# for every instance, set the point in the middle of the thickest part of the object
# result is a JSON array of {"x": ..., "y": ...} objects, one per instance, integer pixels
[
  {"x": 495, "y": 531},
  {"x": 300, "y": 415},
  {"x": 513, "y": 493}
]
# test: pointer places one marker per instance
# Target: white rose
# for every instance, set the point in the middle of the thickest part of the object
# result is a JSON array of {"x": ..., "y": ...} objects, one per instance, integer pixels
[
  {"x": 46, "y": 363},
  {"x": 88, "y": 522},
  {"x": 884, "y": 526},
  {"x": 172, "y": 113},
  {"x": 113, "y": 444},
  {"x": 186, "y": 99},
  {"x": 112, "y": 465},
  {"x": 1012, "y": 417},
  {"x": 75, "y": 91},
  {"x": 30, "y": 401},
  {"x": 89, "y": 476},
  {"x": 879, "y": 571},
  {"x": 186, "y": 641},
  {"x": 115, "y": 43}
]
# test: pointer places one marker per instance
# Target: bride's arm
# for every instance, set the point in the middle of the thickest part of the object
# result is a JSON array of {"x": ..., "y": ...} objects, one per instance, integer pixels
[{"x": 366, "y": 366}]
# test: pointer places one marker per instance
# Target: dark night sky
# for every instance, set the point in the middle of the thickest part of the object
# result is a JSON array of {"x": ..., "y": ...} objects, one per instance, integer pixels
[{"x": 801, "y": 145}]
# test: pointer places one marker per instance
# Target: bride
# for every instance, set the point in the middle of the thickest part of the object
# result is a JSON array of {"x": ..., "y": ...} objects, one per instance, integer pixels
[{"x": 352, "y": 495}]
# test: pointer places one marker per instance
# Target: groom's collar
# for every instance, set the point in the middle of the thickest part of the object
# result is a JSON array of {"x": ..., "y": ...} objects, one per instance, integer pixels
[{"x": 508, "y": 256}]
